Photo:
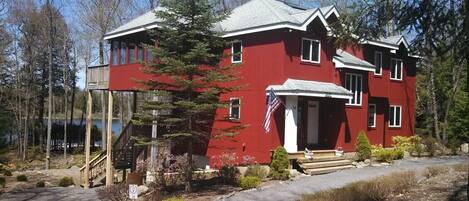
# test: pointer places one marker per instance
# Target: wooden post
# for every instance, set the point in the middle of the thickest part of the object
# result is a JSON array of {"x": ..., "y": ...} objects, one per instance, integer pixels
[
  {"x": 89, "y": 111},
  {"x": 109, "y": 169}
]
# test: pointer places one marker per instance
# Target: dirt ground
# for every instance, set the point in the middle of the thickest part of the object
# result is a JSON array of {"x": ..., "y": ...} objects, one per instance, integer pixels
[{"x": 448, "y": 186}]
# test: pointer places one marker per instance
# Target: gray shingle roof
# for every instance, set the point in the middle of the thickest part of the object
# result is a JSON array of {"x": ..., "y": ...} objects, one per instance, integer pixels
[
  {"x": 307, "y": 86},
  {"x": 253, "y": 14},
  {"x": 351, "y": 60}
]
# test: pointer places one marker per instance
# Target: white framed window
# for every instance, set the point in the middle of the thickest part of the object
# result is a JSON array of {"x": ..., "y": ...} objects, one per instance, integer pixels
[
  {"x": 396, "y": 69},
  {"x": 235, "y": 108},
  {"x": 395, "y": 115},
  {"x": 353, "y": 82},
  {"x": 115, "y": 51},
  {"x": 371, "y": 115},
  {"x": 310, "y": 50},
  {"x": 236, "y": 52},
  {"x": 378, "y": 63}
]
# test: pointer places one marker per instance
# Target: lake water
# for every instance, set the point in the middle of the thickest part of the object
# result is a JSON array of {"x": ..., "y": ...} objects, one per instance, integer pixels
[{"x": 116, "y": 126}]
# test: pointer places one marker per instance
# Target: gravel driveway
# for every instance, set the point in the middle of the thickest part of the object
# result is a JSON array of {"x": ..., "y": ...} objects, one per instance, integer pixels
[
  {"x": 51, "y": 194},
  {"x": 292, "y": 190}
]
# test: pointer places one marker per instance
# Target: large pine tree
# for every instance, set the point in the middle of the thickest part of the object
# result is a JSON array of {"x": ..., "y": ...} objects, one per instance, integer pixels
[{"x": 187, "y": 68}]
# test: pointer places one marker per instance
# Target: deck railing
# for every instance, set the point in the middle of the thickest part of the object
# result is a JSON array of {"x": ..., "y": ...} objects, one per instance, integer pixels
[{"x": 98, "y": 77}]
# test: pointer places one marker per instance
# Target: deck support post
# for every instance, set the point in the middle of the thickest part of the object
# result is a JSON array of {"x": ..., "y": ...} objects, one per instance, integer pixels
[
  {"x": 109, "y": 168},
  {"x": 89, "y": 112},
  {"x": 291, "y": 120}
]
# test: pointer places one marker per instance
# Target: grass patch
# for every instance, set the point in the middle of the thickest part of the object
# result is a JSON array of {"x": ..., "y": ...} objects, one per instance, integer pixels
[
  {"x": 249, "y": 182},
  {"x": 257, "y": 171},
  {"x": 436, "y": 170},
  {"x": 377, "y": 189},
  {"x": 179, "y": 198},
  {"x": 21, "y": 177}
]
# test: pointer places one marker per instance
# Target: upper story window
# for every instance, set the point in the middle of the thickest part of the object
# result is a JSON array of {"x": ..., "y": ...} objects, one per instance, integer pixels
[
  {"x": 235, "y": 108},
  {"x": 396, "y": 69},
  {"x": 310, "y": 50},
  {"x": 123, "y": 55},
  {"x": 378, "y": 63},
  {"x": 395, "y": 116},
  {"x": 236, "y": 52},
  {"x": 115, "y": 52},
  {"x": 353, "y": 82},
  {"x": 371, "y": 115},
  {"x": 149, "y": 55},
  {"x": 131, "y": 53},
  {"x": 140, "y": 53}
]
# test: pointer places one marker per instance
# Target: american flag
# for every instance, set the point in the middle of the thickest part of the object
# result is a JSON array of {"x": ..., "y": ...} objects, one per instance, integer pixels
[{"x": 272, "y": 104}]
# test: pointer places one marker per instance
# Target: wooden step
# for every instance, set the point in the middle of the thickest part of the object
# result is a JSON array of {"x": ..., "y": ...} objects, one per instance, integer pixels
[
  {"x": 325, "y": 170},
  {"x": 320, "y": 159},
  {"x": 316, "y": 153},
  {"x": 323, "y": 164}
]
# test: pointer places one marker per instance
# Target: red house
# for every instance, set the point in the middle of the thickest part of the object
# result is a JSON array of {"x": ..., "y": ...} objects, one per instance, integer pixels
[{"x": 329, "y": 94}]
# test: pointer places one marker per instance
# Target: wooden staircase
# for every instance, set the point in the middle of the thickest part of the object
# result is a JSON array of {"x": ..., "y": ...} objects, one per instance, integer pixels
[
  {"x": 322, "y": 162},
  {"x": 124, "y": 153}
]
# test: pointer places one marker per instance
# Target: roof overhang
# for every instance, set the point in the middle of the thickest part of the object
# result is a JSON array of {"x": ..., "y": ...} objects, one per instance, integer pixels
[
  {"x": 343, "y": 59},
  {"x": 293, "y": 87},
  {"x": 130, "y": 31},
  {"x": 340, "y": 64}
]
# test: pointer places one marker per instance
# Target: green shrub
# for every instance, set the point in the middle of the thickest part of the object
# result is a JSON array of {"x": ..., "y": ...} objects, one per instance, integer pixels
[
  {"x": 229, "y": 174},
  {"x": 21, "y": 177},
  {"x": 66, "y": 181},
  {"x": 249, "y": 182},
  {"x": 279, "y": 166},
  {"x": 454, "y": 145},
  {"x": 256, "y": 171},
  {"x": 40, "y": 184},
  {"x": 386, "y": 155},
  {"x": 7, "y": 173},
  {"x": 405, "y": 143},
  {"x": 430, "y": 145},
  {"x": 363, "y": 147},
  {"x": 2, "y": 182}
]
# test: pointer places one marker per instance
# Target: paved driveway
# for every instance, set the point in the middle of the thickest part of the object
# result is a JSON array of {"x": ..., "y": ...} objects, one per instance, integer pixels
[
  {"x": 292, "y": 190},
  {"x": 51, "y": 194}
]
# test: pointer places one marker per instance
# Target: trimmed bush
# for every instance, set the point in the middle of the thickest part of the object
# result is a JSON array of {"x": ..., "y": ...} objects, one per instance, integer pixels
[
  {"x": 363, "y": 147},
  {"x": 40, "y": 184},
  {"x": 279, "y": 165},
  {"x": 66, "y": 181},
  {"x": 249, "y": 182},
  {"x": 21, "y": 177},
  {"x": 2, "y": 182},
  {"x": 386, "y": 155},
  {"x": 7, "y": 173},
  {"x": 256, "y": 171}
]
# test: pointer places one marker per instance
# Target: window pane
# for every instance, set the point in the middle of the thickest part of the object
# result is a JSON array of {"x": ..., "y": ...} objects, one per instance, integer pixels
[
  {"x": 306, "y": 49},
  {"x": 131, "y": 53},
  {"x": 391, "y": 116},
  {"x": 398, "y": 116},
  {"x": 398, "y": 69},
  {"x": 354, "y": 89},
  {"x": 140, "y": 53},
  {"x": 393, "y": 69},
  {"x": 378, "y": 62},
  {"x": 237, "y": 54},
  {"x": 123, "y": 53},
  {"x": 371, "y": 115},
  {"x": 115, "y": 56},
  {"x": 359, "y": 90},
  {"x": 234, "y": 108},
  {"x": 149, "y": 55},
  {"x": 315, "y": 51}
]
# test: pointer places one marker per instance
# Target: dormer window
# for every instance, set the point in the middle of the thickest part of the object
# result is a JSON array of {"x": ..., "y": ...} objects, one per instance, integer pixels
[
  {"x": 310, "y": 50},
  {"x": 236, "y": 52}
]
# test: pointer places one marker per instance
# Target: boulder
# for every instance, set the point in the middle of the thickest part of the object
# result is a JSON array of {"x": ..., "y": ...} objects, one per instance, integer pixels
[
  {"x": 465, "y": 147},
  {"x": 142, "y": 189},
  {"x": 367, "y": 161}
]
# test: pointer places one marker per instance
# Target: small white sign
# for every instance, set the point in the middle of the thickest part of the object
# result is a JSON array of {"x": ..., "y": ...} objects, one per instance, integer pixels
[{"x": 133, "y": 191}]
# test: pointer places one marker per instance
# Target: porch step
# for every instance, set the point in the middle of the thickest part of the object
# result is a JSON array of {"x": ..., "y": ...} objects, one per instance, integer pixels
[
  {"x": 320, "y": 159},
  {"x": 325, "y": 164},
  {"x": 325, "y": 170},
  {"x": 316, "y": 153}
]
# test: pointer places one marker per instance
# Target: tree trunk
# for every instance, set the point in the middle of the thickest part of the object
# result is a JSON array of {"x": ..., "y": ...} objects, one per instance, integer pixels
[
  {"x": 456, "y": 72},
  {"x": 26, "y": 129},
  {"x": 49, "y": 109},
  {"x": 66, "y": 113}
]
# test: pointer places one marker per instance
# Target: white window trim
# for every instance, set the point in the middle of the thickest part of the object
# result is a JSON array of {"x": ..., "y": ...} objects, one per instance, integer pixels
[
  {"x": 394, "y": 118},
  {"x": 381, "y": 62},
  {"x": 390, "y": 69},
  {"x": 239, "y": 108},
  {"x": 311, "y": 51},
  {"x": 232, "y": 52},
  {"x": 374, "y": 116},
  {"x": 354, "y": 94}
]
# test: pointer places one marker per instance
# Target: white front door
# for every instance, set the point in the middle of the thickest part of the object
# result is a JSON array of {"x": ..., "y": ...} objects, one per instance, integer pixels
[{"x": 313, "y": 123}]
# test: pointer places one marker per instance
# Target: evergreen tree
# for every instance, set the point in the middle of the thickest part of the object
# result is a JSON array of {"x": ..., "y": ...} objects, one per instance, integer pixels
[{"x": 187, "y": 69}]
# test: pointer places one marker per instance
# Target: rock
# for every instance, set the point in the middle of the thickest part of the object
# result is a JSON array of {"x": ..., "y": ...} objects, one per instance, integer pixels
[
  {"x": 294, "y": 173},
  {"x": 74, "y": 168},
  {"x": 362, "y": 164},
  {"x": 376, "y": 165},
  {"x": 385, "y": 164},
  {"x": 367, "y": 161},
  {"x": 465, "y": 147},
  {"x": 242, "y": 170},
  {"x": 354, "y": 163},
  {"x": 142, "y": 189}
]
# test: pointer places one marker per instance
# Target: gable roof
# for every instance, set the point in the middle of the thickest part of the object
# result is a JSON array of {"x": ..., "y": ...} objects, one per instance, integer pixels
[
  {"x": 392, "y": 42},
  {"x": 253, "y": 16}
]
